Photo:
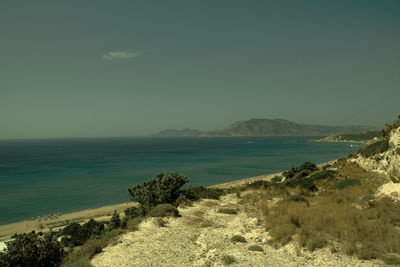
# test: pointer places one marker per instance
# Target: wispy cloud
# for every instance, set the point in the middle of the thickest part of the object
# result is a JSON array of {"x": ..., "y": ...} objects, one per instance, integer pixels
[{"x": 114, "y": 55}]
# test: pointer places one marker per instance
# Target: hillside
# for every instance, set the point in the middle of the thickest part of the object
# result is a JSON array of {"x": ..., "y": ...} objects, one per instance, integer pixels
[
  {"x": 268, "y": 127},
  {"x": 364, "y": 137}
]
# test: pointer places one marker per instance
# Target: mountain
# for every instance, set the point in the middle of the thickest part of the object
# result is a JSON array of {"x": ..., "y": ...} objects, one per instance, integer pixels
[
  {"x": 176, "y": 133},
  {"x": 267, "y": 127}
]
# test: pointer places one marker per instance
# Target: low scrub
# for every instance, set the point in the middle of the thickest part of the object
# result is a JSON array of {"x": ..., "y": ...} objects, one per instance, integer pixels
[
  {"x": 227, "y": 211},
  {"x": 164, "y": 210},
  {"x": 255, "y": 248},
  {"x": 162, "y": 190},
  {"x": 343, "y": 184},
  {"x": 336, "y": 215},
  {"x": 81, "y": 256},
  {"x": 199, "y": 192},
  {"x": 304, "y": 183},
  {"x": 228, "y": 259},
  {"x": 323, "y": 175},
  {"x": 377, "y": 147},
  {"x": 32, "y": 249},
  {"x": 238, "y": 238}
]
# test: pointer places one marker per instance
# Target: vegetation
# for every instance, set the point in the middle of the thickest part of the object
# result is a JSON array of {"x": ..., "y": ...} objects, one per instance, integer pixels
[
  {"x": 164, "y": 210},
  {"x": 196, "y": 193},
  {"x": 32, "y": 249},
  {"x": 255, "y": 248},
  {"x": 238, "y": 238},
  {"x": 343, "y": 184},
  {"x": 368, "y": 232},
  {"x": 227, "y": 211},
  {"x": 390, "y": 126},
  {"x": 364, "y": 136},
  {"x": 75, "y": 234},
  {"x": 324, "y": 174},
  {"x": 377, "y": 147},
  {"x": 164, "y": 189},
  {"x": 228, "y": 259}
]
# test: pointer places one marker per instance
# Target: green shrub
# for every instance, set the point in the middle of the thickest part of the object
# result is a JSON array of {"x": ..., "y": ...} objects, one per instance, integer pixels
[
  {"x": 164, "y": 189},
  {"x": 238, "y": 238},
  {"x": 227, "y": 211},
  {"x": 343, "y": 184},
  {"x": 317, "y": 241},
  {"x": 323, "y": 175},
  {"x": 182, "y": 202},
  {"x": 377, "y": 147},
  {"x": 199, "y": 192},
  {"x": 305, "y": 183},
  {"x": 80, "y": 234},
  {"x": 276, "y": 179},
  {"x": 32, "y": 249},
  {"x": 297, "y": 198},
  {"x": 134, "y": 212},
  {"x": 255, "y": 248},
  {"x": 228, "y": 259},
  {"x": 164, "y": 210},
  {"x": 115, "y": 221},
  {"x": 282, "y": 233},
  {"x": 302, "y": 171}
]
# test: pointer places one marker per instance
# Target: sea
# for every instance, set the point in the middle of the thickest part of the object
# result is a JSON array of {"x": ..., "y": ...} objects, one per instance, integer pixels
[{"x": 47, "y": 176}]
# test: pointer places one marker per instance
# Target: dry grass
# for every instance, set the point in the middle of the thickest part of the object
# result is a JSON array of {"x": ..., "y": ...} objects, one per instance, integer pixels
[
  {"x": 335, "y": 215},
  {"x": 81, "y": 256}
]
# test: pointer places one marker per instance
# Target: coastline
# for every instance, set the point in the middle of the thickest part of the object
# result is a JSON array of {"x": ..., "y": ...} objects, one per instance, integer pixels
[{"x": 56, "y": 222}]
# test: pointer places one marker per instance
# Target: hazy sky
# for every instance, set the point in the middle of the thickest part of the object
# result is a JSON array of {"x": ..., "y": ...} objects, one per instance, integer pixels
[{"x": 126, "y": 68}]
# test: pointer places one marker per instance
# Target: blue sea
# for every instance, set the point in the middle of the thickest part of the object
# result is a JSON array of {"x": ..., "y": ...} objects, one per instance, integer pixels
[{"x": 39, "y": 177}]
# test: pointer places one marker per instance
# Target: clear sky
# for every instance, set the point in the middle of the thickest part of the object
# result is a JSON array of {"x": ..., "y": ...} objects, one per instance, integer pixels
[{"x": 127, "y": 68}]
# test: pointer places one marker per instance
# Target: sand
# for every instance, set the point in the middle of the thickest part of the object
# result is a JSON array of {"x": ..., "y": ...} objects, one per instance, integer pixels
[{"x": 58, "y": 221}]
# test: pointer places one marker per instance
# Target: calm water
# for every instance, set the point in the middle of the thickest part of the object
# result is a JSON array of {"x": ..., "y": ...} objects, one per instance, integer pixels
[{"x": 39, "y": 177}]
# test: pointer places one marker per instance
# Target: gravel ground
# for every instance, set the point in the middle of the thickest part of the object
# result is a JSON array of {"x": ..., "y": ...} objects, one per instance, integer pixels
[{"x": 201, "y": 237}]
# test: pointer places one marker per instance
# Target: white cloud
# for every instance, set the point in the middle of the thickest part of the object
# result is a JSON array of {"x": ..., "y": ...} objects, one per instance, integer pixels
[{"x": 113, "y": 55}]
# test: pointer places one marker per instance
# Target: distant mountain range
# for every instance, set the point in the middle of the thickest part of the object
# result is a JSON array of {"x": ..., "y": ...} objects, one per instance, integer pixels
[{"x": 267, "y": 127}]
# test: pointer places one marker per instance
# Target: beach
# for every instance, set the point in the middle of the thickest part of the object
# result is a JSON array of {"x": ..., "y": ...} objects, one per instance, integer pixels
[{"x": 55, "y": 222}]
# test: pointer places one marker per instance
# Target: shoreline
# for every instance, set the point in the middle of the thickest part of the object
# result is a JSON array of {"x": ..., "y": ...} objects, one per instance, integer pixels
[{"x": 56, "y": 222}]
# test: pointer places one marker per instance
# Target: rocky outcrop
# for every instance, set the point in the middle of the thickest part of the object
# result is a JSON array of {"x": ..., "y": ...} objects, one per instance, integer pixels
[{"x": 387, "y": 162}]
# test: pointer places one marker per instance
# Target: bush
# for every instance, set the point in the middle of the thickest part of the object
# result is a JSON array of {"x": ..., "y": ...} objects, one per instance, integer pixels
[
  {"x": 377, "y": 147},
  {"x": 297, "y": 198},
  {"x": 33, "y": 250},
  {"x": 238, "y": 238},
  {"x": 227, "y": 211},
  {"x": 343, "y": 184},
  {"x": 182, "y": 201},
  {"x": 317, "y": 241},
  {"x": 282, "y": 233},
  {"x": 164, "y": 210},
  {"x": 80, "y": 234},
  {"x": 115, "y": 221},
  {"x": 305, "y": 183},
  {"x": 276, "y": 179},
  {"x": 302, "y": 171},
  {"x": 228, "y": 259},
  {"x": 323, "y": 175},
  {"x": 196, "y": 193},
  {"x": 134, "y": 212},
  {"x": 255, "y": 248},
  {"x": 164, "y": 189}
]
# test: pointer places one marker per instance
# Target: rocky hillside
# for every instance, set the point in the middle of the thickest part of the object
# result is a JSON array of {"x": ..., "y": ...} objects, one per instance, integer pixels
[
  {"x": 267, "y": 127},
  {"x": 383, "y": 155}
]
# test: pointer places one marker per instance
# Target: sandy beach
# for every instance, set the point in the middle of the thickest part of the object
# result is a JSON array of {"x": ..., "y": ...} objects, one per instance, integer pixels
[{"x": 55, "y": 222}]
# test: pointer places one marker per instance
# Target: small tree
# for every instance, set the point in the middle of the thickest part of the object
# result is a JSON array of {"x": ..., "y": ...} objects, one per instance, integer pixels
[
  {"x": 115, "y": 220},
  {"x": 32, "y": 250},
  {"x": 164, "y": 189}
]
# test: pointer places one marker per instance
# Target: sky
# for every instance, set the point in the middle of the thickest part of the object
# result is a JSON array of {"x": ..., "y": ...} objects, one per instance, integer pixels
[{"x": 132, "y": 68}]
